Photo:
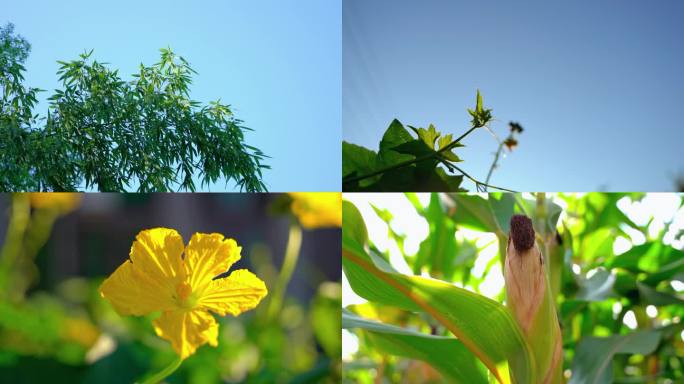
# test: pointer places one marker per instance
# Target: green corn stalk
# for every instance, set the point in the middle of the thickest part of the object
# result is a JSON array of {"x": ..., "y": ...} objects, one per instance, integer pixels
[{"x": 530, "y": 299}]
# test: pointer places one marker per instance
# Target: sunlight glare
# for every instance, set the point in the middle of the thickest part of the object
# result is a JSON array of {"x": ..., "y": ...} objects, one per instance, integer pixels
[
  {"x": 397, "y": 260},
  {"x": 486, "y": 254},
  {"x": 617, "y": 308},
  {"x": 677, "y": 285},
  {"x": 493, "y": 282},
  {"x": 676, "y": 230},
  {"x": 621, "y": 245},
  {"x": 576, "y": 269},
  {"x": 630, "y": 320},
  {"x": 591, "y": 273},
  {"x": 350, "y": 345},
  {"x": 349, "y": 297},
  {"x": 636, "y": 237},
  {"x": 424, "y": 198}
]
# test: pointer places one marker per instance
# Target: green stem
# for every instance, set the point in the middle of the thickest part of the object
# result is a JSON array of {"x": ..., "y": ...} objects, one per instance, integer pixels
[
  {"x": 412, "y": 161},
  {"x": 479, "y": 183},
  {"x": 495, "y": 162},
  {"x": 36, "y": 236},
  {"x": 541, "y": 215},
  {"x": 164, "y": 373},
  {"x": 12, "y": 248},
  {"x": 294, "y": 242}
]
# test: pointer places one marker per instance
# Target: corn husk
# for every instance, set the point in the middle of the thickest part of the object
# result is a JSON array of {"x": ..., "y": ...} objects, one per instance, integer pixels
[{"x": 530, "y": 299}]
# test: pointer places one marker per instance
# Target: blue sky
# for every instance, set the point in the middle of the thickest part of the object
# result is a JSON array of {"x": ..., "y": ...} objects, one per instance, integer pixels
[
  {"x": 598, "y": 85},
  {"x": 278, "y": 63}
]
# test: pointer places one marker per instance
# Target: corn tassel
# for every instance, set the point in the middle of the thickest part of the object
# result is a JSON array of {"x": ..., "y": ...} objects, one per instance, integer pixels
[{"x": 530, "y": 300}]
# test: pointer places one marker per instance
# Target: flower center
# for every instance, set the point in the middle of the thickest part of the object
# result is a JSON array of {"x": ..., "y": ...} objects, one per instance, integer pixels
[{"x": 185, "y": 297}]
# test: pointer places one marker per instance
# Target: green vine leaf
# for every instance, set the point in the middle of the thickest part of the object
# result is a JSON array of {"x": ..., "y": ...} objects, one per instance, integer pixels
[
  {"x": 429, "y": 136},
  {"x": 361, "y": 160},
  {"x": 394, "y": 136},
  {"x": 481, "y": 115}
]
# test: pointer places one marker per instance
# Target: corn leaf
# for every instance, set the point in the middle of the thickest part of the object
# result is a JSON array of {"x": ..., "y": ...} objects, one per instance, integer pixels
[{"x": 446, "y": 354}]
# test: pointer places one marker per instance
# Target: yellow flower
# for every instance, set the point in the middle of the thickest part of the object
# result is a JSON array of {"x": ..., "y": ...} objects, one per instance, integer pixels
[
  {"x": 163, "y": 275},
  {"x": 317, "y": 209},
  {"x": 63, "y": 202}
]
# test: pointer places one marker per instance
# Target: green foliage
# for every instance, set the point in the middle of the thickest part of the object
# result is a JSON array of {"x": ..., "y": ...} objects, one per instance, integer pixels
[
  {"x": 104, "y": 133},
  {"x": 596, "y": 289},
  {"x": 425, "y": 162},
  {"x": 594, "y": 355},
  {"x": 37, "y": 326},
  {"x": 325, "y": 318}
]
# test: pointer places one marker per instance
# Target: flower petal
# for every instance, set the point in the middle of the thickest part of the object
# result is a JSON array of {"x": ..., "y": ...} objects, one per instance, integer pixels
[
  {"x": 147, "y": 282},
  {"x": 207, "y": 256},
  {"x": 187, "y": 330},
  {"x": 61, "y": 202},
  {"x": 237, "y": 293},
  {"x": 126, "y": 291},
  {"x": 317, "y": 209},
  {"x": 158, "y": 251}
]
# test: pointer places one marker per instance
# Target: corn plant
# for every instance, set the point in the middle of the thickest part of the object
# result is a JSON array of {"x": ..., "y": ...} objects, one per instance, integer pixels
[
  {"x": 424, "y": 162},
  {"x": 566, "y": 307}
]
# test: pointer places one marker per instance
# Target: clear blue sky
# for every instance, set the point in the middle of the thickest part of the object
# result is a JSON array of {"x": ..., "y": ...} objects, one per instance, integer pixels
[
  {"x": 598, "y": 85},
  {"x": 277, "y": 62}
]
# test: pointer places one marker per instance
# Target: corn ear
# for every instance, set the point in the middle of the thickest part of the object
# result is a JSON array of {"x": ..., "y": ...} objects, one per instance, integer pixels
[{"x": 530, "y": 299}]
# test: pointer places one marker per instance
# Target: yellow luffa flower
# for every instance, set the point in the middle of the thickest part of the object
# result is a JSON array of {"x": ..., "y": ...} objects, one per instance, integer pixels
[
  {"x": 63, "y": 202},
  {"x": 163, "y": 275},
  {"x": 317, "y": 209}
]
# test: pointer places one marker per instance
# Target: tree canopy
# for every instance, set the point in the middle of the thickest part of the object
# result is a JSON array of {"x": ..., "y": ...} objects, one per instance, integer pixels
[{"x": 104, "y": 133}]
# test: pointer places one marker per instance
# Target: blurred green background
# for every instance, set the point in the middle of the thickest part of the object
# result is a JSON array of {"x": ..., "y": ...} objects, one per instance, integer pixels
[
  {"x": 616, "y": 266},
  {"x": 55, "y": 327}
]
